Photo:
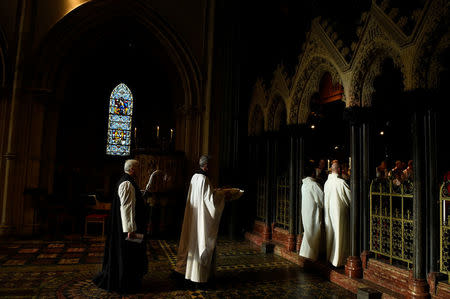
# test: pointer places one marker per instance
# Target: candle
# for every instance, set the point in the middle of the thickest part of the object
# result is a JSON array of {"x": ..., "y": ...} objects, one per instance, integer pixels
[
  {"x": 328, "y": 164},
  {"x": 135, "y": 129},
  {"x": 157, "y": 131},
  {"x": 349, "y": 162},
  {"x": 171, "y": 134}
]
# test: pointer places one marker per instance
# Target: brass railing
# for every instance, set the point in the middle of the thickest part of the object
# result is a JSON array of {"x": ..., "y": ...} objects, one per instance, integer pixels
[
  {"x": 282, "y": 202},
  {"x": 391, "y": 220},
  {"x": 445, "y": 228},
  {"x": 260, "y": 198}
]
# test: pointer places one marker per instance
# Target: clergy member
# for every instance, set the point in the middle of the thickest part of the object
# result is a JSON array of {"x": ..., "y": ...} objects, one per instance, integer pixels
[
  {"x": 312, "y": 215},
  {"x": 125, "y": 262},
  {"x": 337, "y": 205},
  {"x": 204, "y": 206}
]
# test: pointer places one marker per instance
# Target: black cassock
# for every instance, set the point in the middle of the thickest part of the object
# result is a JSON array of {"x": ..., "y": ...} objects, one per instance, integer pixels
[{"x": 124, "y": 262}]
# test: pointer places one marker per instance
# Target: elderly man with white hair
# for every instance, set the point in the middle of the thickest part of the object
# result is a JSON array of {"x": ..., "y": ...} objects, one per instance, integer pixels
[
  {"x": 204, "y": 206},
  {"x": 125, "y": 258}
]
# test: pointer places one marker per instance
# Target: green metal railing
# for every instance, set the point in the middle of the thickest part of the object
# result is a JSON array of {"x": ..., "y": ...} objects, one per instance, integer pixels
[
  {"x": 391, "y": 220},
  {"x": 260, "y": 198},
  {"x": 445, "y": 228},
  {"x": 282, "y": 202}
]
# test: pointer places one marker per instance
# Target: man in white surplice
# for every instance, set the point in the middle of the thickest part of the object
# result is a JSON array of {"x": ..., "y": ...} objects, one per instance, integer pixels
[
  {"x": 337, "y": 206},
  {"x": 204, "y": 206},
  {"x": 312, "y": 215}
]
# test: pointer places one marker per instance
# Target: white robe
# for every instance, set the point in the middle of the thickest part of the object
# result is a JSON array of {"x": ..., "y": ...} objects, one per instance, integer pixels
[
  {"x": 337, "y": 228},
  {"x": 312, "y": 215},
  {"x": 199, "y": 232}
]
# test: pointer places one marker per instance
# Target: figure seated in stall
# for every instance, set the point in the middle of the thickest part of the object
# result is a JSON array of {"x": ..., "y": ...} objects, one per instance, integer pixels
[
  {"x": 396, "y": 174},
  {"x": 381, "y": 170},
  {"x": 408, "y": 173}
]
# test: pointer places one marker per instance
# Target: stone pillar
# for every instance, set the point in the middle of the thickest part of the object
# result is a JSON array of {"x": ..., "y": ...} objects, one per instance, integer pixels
[
  {"x": 353, "y": 267},
  {"x": 267, "y": 216},
  {"x": 11, "y": 167},
  {"x": 293, "y": 184},
  {"x": 365, "y": 166},
  {"x": 432, "y": 190},
  {"x": 273, "y": 181},
  {"x": 300, "y": 174},
  {"x": 418, "y": 287}
]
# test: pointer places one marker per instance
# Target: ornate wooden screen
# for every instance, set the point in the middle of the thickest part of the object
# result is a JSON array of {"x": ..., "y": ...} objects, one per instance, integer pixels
[
  {"x": 282, "y": 202},
  {"x": 391, "y": 220},
  {"x": 261, "y": 198},
  {"x": 445, "y": 228}
]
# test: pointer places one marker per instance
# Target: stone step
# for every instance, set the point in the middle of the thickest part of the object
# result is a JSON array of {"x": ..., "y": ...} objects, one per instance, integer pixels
[{"x": 335, "y": 275}]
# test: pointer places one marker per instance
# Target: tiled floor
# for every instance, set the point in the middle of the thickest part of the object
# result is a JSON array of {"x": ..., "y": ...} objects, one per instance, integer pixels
[{"x": 63, "y": 269}]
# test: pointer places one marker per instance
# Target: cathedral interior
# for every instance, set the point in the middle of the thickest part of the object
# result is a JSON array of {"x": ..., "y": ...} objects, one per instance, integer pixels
[{"x": 263, "y": 88}]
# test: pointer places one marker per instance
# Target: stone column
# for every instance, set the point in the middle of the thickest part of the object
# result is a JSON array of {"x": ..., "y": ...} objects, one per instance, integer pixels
[
  {"x": 11, "y": 167},
  {"x": 365, "y": 184},
  {"x": 353, "y": 267},
  {"x": 418, "y": 287},
  {"x": 432, "y": 190},
  {"x": 274, "y": 174},
  {"x": 300, "y": 174},
  {"x": 366, "y": 165},
  {"x": 267, "y": 216},
  {"x": 293, "y": 184}
]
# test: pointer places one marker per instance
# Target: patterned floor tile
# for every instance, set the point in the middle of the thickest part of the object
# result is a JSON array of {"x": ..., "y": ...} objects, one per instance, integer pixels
[{"x": 65, "y": 270}]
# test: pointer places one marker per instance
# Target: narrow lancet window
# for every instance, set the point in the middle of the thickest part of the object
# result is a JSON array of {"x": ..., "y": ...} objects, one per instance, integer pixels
[{"x": 119, "y": 122}]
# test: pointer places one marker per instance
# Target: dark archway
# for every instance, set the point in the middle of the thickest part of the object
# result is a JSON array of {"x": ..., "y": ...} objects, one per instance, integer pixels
[
  {"x": 92, "y": 49},
  {"x": 329, "y": 131},
  {"x": 392, "y": 122}
]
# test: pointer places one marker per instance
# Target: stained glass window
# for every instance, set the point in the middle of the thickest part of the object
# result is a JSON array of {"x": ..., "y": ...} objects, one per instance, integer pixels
[{"x": 119, "y": 123}]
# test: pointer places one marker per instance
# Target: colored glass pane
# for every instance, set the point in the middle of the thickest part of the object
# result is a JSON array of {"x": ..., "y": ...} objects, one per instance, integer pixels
[{"x": 119, "y": 121}]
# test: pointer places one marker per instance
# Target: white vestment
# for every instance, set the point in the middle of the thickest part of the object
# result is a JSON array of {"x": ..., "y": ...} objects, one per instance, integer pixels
[
  {"x": 337, "y": 228},
  {"x": 312, "y": 205},
  {"x": 127, "y": 206},
  {"x": 199, "y": 232}
]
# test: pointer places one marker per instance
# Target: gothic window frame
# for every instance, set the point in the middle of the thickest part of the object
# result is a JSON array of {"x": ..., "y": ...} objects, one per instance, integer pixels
[{"x": 120, "y": 119}]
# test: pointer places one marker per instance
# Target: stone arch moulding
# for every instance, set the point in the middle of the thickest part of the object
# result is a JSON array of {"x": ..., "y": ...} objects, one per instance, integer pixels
[
  {"x": 432, "y": 37},
  {"x": 273, "y": 114},
  {"x": 435, "y": 66},
  {"x": 84, "y": 18},
  {"x": 308, "y": 84},
  {"x": 256, "y": 119},
  {"x": 368, "y": 68},
  {"x": 258, "y": 99}
]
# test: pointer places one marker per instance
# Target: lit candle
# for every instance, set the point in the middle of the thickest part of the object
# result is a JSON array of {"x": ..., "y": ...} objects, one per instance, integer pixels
[
  {"x": 171, "y": 134},
  {"x": 328, "y": 164},
  {"x": 157, "y": 131},
  {"x": 135, "y": 134}
]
